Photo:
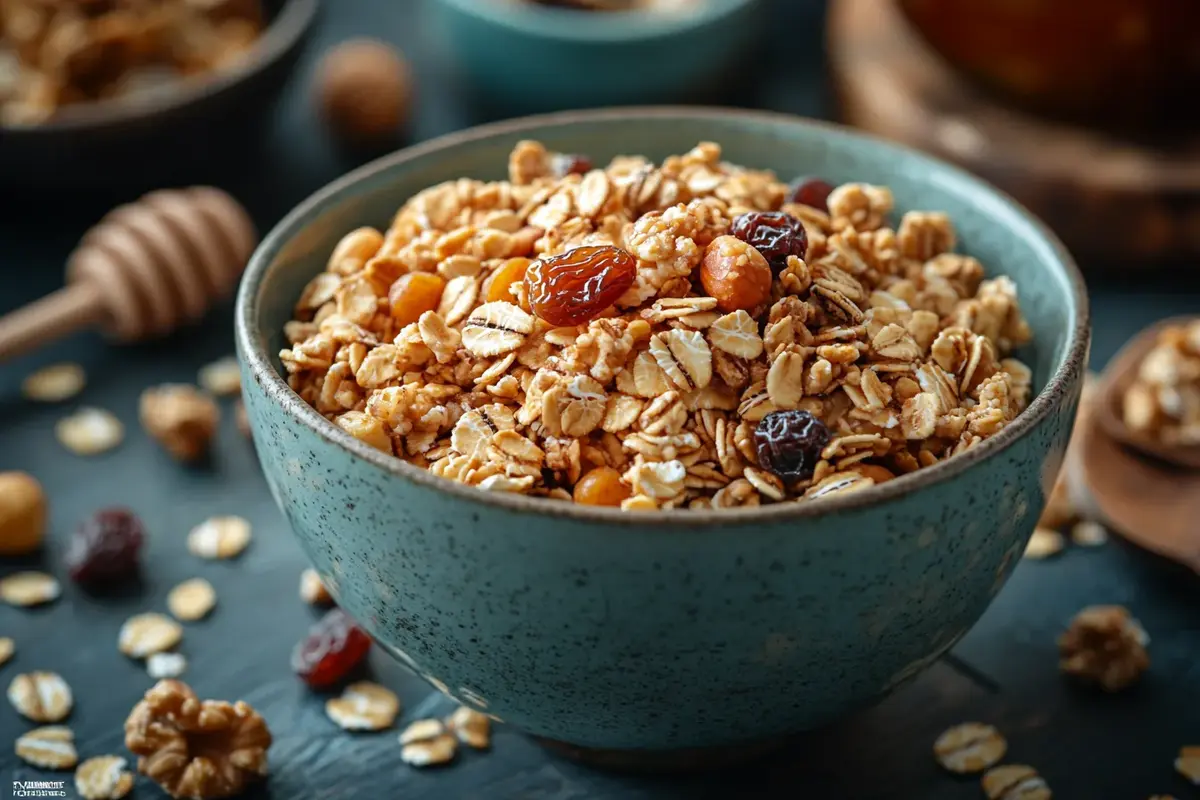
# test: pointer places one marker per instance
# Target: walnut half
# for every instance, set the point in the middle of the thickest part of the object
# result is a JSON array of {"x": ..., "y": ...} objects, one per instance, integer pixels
[
  {"x": 197, "y": 748},
  {"x": 1104, "y": 646}
]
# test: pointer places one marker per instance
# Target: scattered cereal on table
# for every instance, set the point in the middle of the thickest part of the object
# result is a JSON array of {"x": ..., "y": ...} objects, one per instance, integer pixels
[
  {"x": 312, "y": 589},
  {"x": 181, "y": 418},
  {"x": 1015, "y": 782},
  {"x": 430, "y": 752},
  {"x": 165, "y": 665},
  {"x": 471, "y": 727},
  {"x": 219, "y": 538},
  {"x": 41, "y": 696},
  {"x": 1044, "y": 543},
  {"x": 22, "y": 513},
  {"x": 148, "y": 633},
  {"x": 197, "y": 748},
  {"x": 54, "y": 383},
  {"x": 29, "y": 589},
  {"x": 969, "y": 747},
  {"x": 105, "y": 547},
  {"x": 422, "y": 730},
  {"x": 1088, "y": 533},
  {"x": 192, "y": 599},
  {"x": 7, "y": 648},
  {"x": 1104, "y": 646},
  {"x": 89, "y": 431},
  {"x": 1188, "y": 763},
  {"x": 51, "y": 747},
  {"x": 364, "y": 706},
  {"x": 222, "y": 377},
  {"x": 103, "y": 778}
]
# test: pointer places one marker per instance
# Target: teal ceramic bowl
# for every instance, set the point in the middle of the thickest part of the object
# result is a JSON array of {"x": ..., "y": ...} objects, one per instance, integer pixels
[
  {"x": 683, "y": 629},
  {"x": 526, "y": 57}
]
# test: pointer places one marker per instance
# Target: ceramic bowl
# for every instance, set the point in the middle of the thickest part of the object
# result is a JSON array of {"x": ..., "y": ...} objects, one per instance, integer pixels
[
  {"x": 524, "y": 57},
  {"x": 683, "y": 629}
]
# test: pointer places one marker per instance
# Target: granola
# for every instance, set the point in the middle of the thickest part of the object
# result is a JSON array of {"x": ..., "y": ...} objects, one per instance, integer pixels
[
  {"x": 1163, "y": 401},
  {"x": 898, "y": 346}
]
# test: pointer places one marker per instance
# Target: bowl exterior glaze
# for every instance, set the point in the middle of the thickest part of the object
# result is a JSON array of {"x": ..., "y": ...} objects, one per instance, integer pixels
[{"x": 638, "y": 631}]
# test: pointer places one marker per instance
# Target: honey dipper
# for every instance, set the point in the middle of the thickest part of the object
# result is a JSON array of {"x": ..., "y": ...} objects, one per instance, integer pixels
[{"x": 145, "y": 269}]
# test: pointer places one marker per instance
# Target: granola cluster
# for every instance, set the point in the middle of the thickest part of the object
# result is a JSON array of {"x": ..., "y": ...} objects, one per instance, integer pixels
[
  {"x": 1164, "y": 399},
  {"x": 55, "y": 53},
  {"x": 422, "y": 341}
]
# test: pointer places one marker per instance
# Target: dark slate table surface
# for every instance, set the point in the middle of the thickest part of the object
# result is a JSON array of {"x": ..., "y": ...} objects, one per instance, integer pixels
[{"x": 1003, "y": 672}]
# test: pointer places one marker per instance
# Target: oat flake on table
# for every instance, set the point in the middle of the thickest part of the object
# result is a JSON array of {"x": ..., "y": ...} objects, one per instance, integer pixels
[
  {"x": 192, "y": 600},
  {"x": 160, "y": 666},
  {"x": 54, "y": 383},
  {"x": 969, "y": 747},
  {"x": 1188, "y": 763},
  {"x": 364, "y": 706},
  {"x": 219, "y": 538},
  {"x": 222, "y": 377},
  {"x": 41, "y": 696},
  {"x": 29, "y": 589},
  {"x": 1044, "y": 543},
  {"x": 7, "y": 648},
  {"x": 145, "y": 634},
  {"x": 103, "y": 778},
  {"x": 471, "y": 727},
  {"x": 89, "y": 431},
  {"x": 50, "y": 747},
  {"x": 440, "y": 749},
  {"x": 1015, "y": 782}
]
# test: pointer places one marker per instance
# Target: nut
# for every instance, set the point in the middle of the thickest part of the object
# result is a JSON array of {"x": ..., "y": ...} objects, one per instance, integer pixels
[
  {"x": 197, "y": 748},
  {"x": 22, "y": 513},
  {"x": 737, "y": 275},
  {"x": 364, "y": 90},
  {"x": 182, "y": 418},
  {"x": 1104, "y": 646}
]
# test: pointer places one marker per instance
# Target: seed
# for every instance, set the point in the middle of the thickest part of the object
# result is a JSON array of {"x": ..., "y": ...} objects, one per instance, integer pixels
[
  {"x": 364, "y": 706},
  {"x": 103, "y": 778},
  {"x": 969, "y": 747},
  {"x": 1188, "y": 763},
  {"x": 51, "y": 747},
  {"x": 149, "y": 633},
  {"x": 222, "y": 377},
  {"x": 471, "y": 728},
  {"x": 41, "y": 696},
  {"x": 192, "y": 599},
  {"x": 165, "y": 665},
  {"x": 1015, "y": 782},
  {"x": 219, "y": 537},
  {"x": 312, "y": 589},
  {"x": 431, "y": 752},
  {"x": 422, "y": 731},
  {"x": 1044, "y": 543},
  {"x": 1089, "y": 534},
  {"x": 89, "y": 431},
  {"x": 6, "y": 649},
  {"x": 29, "y": 589},
  {"x": 54, "y": 383}
]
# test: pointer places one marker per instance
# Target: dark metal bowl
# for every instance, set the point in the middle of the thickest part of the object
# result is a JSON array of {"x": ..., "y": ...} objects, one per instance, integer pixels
[{"x": 161, "y": 140}]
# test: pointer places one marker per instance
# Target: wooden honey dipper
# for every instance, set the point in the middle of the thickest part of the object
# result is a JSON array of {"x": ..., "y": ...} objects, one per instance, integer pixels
[{"x": 145, "y": 269}]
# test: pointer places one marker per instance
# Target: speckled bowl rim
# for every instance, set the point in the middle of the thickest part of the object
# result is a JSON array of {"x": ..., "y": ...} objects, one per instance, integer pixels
[
  {"x": 611, "y": 27},
  {"x": 246, "y": 324},
  {"x": 282, "y": 34}
]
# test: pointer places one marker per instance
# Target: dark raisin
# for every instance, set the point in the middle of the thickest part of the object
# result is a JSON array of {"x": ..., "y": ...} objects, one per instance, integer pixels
[
  {"x": 774, "y": 234},
  {"x": 105, "y": 547},
  {"x": 334, "y": 646},
  {"x": 565, "y": 164},
  {"x": 789, "y": 443},
  {"x": 811, "y": 192}
]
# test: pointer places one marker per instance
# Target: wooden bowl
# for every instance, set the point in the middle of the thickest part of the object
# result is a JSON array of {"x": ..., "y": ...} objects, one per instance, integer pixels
[{"x": 165, "y": 139}]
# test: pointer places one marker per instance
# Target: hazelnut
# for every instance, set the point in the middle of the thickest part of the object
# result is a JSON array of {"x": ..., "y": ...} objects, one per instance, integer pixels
[
  {"x": 182, "y": 418},
  {"x": 22, "y": 513},
  {"x": 364, "y": 90},
  {"x": 737, "y": 275}
]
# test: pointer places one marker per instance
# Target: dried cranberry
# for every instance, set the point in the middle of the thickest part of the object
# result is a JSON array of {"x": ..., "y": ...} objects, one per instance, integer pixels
[
  {"x": 576, "y": 286},
  {"x": 774, "y": 234},
  {"x": 105, "y": 546},
  {"x": 812, "y": 192},
  {"x": 565, "y": 164},
  {"x": 789, "y": 443},
  {"x": 334, "y": 646}
]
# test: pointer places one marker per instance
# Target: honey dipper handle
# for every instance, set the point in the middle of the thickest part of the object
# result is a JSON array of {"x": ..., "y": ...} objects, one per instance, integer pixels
[{"x": 77, "y": 306}]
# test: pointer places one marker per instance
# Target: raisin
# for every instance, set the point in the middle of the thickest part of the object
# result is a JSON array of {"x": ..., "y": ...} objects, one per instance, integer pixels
[
  {"x": 565, "y": 164},
  {"x": 774, "y": 234},
  {"x": 811, "y": 192},
  {"x": 575, "y": 287},
  {"x": 789, "y": 443},
  {"x": 601, "y": 487},
  {"x": 335, "y": 645},
  {"x": 105, "y": 547}
]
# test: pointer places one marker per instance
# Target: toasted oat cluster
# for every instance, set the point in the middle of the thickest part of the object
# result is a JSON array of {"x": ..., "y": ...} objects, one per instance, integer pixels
[
  {"x": 686, "y": 335},
  {"x": 55, "y": 53},
  {"x": 1164, "y": 399}
]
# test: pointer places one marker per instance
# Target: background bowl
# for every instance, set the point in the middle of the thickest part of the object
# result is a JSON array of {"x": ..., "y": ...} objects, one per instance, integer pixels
[
  {"x": 620, "y": 630},
  {"x": 523, "y": 57},
  {"x": 168, "y": 138}
]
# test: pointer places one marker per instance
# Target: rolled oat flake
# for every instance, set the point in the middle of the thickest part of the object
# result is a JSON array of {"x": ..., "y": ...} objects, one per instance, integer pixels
[
  {"x": 192, "y": 600},
  {"x": 7, "y": 648},
  {"x": 1015, "y": 782},
  {"x": 440, "y": 749},
  {"x": 1188, "y": 763},
  {"x": 969, "y": 747},
  {"x": 165, "y": 665},
  {"x": 422, "y": 731},
  {"x": 145, "y": 634},
  {"x": 54, "y": 383},
  {"x": 219, "y": 537},
  {"x": 364, "y": 706},
  {"x": 51, "y": 747},
  {"x": 103, "y": 778},
  {"x": 89, "y": 431},
  {"x": 29, "y": 589},
  {"x": 41, "y": 696}
]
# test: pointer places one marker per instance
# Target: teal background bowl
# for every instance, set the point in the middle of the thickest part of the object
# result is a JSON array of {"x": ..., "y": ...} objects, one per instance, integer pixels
[
  {"x": 658, "y": 631},
  {"x": 525, "y": 57}
]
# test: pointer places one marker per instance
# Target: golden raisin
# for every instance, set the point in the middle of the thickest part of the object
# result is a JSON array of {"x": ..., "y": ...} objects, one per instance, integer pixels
[
  {"x": 575, "y": 287},
  {"x": 737, "y": 275},
  {"x": 601, "y": 487},
  {"x": 500, "y": 285},
  {"x": 414, "y": 294}
]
